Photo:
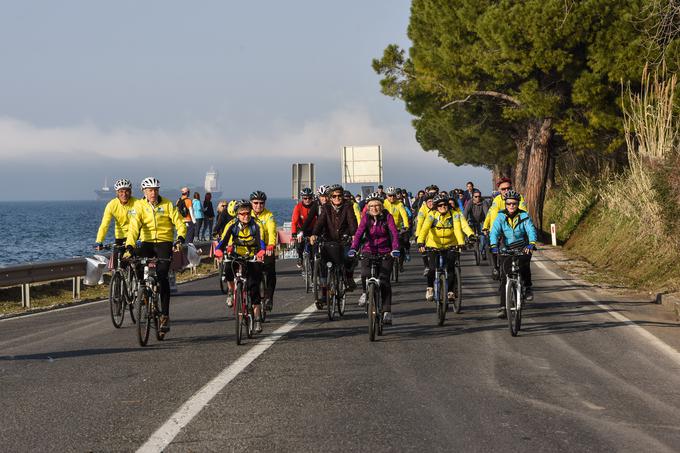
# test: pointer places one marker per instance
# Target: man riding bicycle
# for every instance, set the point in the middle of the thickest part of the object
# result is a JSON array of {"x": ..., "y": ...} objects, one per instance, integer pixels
[
  {"x": 443, "y": 228},
  {"x": 155, "y": 223},
  {"x": 265, "y": 219},
  {"x": 242, "y": 236},
  {"x": 336, "y": 224},
  {"x": 300, "y": 213},
  {"x": 516, "y": 229},
  {"x": 120, "y": 209},
  {"x": 475, "y": 213}
]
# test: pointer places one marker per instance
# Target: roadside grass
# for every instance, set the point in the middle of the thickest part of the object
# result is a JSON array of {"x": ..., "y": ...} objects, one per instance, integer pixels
[
  {"x": 567, "y": 205},
  {"x": 60, "y": 293}
]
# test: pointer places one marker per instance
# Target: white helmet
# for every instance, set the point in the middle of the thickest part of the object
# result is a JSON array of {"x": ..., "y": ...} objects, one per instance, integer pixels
[
  {"x": 151, "y": 183},
  {"x": 391, "y": 191},
  {"x": 321, "y": 190},
  {"x": 122, "y": 184}
]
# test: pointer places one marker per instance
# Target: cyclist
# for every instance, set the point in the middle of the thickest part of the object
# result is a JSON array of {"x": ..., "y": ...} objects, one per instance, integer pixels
[
  {"x": 395, "y": 207},
  {"x": 423, "y": 212},
  {"x": 515, "y": 228},
  {"x": 336, "y": 224},
  {"x": 442, "y": 228},
  {"x": 120, "y": 209},
  {"x": 154, "y": 223},
  {"x": 265, "y": 219},
  {"x": 475, "y": 213},
  {"x": 378, "y": 233},
  {"x": 242, "y": 236},
  {"x": 315, "y": 209},
  {"x": 497, "y": 205},
  {"x": 300, "y": 213}
]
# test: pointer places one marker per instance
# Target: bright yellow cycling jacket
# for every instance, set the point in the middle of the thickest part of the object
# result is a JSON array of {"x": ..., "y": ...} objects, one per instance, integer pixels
[
  {"x": 398, "y": 212},
  {"x": 446, "y": 230},
  {"x": 357, "y": 212},
  {"x": 245, "y": 237},
  {"x": 155, "y": 223},
  {"x": 423, "y": 212},
  {"x": 267, "y": 225},
  {"x": 497, "y": 206},
  {"x": 121, "y": 213}
]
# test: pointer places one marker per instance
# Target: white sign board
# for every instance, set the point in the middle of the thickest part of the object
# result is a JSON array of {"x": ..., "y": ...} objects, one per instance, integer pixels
[
  {"x": 361, "y": 164},
  {"x": 303, "y": 176}
]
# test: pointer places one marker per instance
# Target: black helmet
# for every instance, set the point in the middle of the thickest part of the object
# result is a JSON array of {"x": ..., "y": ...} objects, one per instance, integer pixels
[
  {"x": 258, "y": 195},
  {"x": 242, "y": 204},
  {"x": 347, "y": 194},
  {"x": 306, "y": 192},
  {"x": 440, "y": 199},
  {"x": 334, "y": 188},
  {"x": 513, "y": 195}
]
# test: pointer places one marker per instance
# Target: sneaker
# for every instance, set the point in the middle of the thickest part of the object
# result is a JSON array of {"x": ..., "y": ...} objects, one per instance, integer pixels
[
  {"x": 495, "y": 274},
  {"x": 387, "y": 318},
  {"x": 299, "y": 263},
  {"x": 164, "y": 324},
  {"x": 362, "y": 299},
  {"x": 230, "y": 299},
  {"x": 269, "y": 303},
  {"x": 528, "y": 294},
  {"x": 425, "y": 272},
  {"x": 351, "y": 285},
  {"x": 501, "y": 313},
  {"x": 258, "y": 327},
  {"x": 429, "y": 294},
  {"x": 451, "y": 295}
]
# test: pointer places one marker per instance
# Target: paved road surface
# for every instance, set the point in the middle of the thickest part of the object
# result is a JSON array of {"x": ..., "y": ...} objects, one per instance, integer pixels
[{"x": 580, "y": 377}]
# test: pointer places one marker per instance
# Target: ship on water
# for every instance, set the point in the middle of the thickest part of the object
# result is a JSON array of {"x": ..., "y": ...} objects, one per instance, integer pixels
[
  {"x": 211, "y": 184},
  {"x": 105, "y": 193}
]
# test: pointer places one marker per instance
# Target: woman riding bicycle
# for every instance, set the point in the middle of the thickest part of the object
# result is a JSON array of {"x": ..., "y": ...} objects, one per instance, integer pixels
[
  {"x": 445, "y": 226},
  {"x": 514, "y": 227},
  {"x": 241, "y": 237},
  {"x": 378, "y": 234}
]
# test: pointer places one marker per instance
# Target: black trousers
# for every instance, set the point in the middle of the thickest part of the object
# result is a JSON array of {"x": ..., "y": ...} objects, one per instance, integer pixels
[
  {"x": 162, "y": 250},
  {"x": 269, "y": 269},
  {"x": 385, "y": 273},
  {"x": 450, "y": 261}
]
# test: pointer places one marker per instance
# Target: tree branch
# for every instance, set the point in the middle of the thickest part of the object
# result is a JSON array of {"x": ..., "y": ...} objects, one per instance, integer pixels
[{"x": 494, "y": 94}]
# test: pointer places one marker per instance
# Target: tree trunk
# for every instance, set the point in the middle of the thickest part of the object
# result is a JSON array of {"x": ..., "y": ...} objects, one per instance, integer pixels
[
  {"x": 500, "y": 171},
  {"x": 550, "y": 182},
  {"x": 523, "y": 156},
  {"x": 540, "y": 138}
]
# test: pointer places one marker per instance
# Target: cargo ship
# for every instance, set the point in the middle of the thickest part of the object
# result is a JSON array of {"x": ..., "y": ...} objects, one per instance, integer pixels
[
  {"x": 211, "y": 184},
  {"x": 105, "y": 193}
]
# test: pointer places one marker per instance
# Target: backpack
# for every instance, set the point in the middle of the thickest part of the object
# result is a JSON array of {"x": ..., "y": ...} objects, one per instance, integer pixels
[{"x": 182, "y": 207}]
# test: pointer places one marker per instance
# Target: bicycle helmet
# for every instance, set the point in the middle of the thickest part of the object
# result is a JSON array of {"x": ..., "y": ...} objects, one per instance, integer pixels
[
  {"x": 334, "y": 188},
  {"x": 390, "y": 191},
  {"x": 150, "y": 183},
  {"x": 243, "y": 204},
  {"x": 231, "y": 208},
  {"x": 347, "y": 194},
  {"x": 321, "y": 191},
  {"x": 375, "y": 196},
  {"x": 306, "y": 192},
  {"x": 258, "y": 195},
  {"x": 122, "y": 184},
  {"x": 440, "y": 199},
  {"x": 513, "y": 195}
]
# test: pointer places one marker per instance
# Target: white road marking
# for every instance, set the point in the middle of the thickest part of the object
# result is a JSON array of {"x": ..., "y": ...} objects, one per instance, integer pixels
[
  {"x": 160, "y": 439},
  {"x": 644, "y": 333}
]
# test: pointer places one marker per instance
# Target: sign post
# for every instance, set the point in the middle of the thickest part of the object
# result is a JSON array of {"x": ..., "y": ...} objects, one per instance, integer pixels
[{"x": 553, "y": 233}]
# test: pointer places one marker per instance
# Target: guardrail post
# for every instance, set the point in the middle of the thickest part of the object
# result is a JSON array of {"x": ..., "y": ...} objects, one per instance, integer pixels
[
  {"x": 76, "y": 288},
  {"x": 26, "y": 295}
]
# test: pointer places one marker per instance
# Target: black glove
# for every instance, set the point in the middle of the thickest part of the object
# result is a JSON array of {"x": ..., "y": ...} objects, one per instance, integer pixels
[{"x": 130, "y": 249}]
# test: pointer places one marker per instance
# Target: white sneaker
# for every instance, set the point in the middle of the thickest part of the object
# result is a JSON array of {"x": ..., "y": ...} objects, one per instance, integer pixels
[
  {"x": 429, "y": 294},
  {"x": 230, "y": 300},
  {"x": 362, "y": 299},
  {"x": 451, "y": 295},
  {"x": 387, "y": 318}
]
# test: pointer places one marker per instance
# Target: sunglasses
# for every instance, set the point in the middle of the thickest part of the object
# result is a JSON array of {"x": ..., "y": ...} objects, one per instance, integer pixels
[
  {"x": 257, "y": 202},
  {"x": 244, "y": 213},
  {"x": 306, "y": 198},
  {"x": 336, "y": 196},
  {"x": 512, "y": 203},
  {"x": 503, "y": 189},
  {"x": 476, "y": 196}
]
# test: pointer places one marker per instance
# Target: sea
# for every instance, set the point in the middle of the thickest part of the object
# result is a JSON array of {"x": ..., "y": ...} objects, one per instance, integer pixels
[{"x": 53, "y": 230}]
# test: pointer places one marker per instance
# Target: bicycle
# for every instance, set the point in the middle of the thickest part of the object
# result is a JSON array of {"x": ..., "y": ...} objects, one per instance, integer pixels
[
  {"x": 514, "y": 289},
  {"x": 243, "y": 307},
  {"x": 148, "y": 300},
  {"x": 263, "y": 297},
  {"x": 441, "y": 286},
  {"x": 336, "y": 287},
  {"x": 307, "y": 266},
  {"x": 373, "y": 296},
  {"x": 224, "y": 288},
  {"x": 123, "y": 287}
]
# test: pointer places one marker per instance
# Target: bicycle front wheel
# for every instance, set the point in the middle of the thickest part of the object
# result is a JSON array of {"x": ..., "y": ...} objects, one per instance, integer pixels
[
  {"x": 332, "y": 288},
  {"x": 395, "y": 270},
  {"x": 458, "y": 301},
  {"x": 238, "y": 311},
  {"x": 340, "y": 294},
  {"x": 478, "y": 254},
  {"x": 512, "y": 307},
  {"x": 372, "y": 311},
  {"x": 143, "y": 317},
  {"x": 156, "y": 316},
  {"x": 307, "y": 269},
  {"x": 117, "y": 298},
  {"x": 223, "y": 280},
  {"x": 263, "y": 303},
  {"x": 442, "y": 303},
  {"x": 131, "y": 294},
  {"x": 315, "y": 279}
]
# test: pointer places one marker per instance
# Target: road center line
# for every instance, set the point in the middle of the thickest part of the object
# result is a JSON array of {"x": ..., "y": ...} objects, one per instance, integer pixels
[
  {"x": 652, "y": 339},
  {"x": 183, "y": 416}
]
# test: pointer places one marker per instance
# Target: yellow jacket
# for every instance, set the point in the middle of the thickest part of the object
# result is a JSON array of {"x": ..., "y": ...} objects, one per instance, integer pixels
[
  {"x": 423, "y": 212},
  {"x": 357, "y": 212},
  {"x": 121, "y": 213},
  {"x": 497, "y": 206},
  {"x": 155, "y": 223},
  {"x": 398, "y": 212},
  {"x": 267, "y": 224},
  {"x": 245, "y": 237},
  {"x": 446, "y": 230}
]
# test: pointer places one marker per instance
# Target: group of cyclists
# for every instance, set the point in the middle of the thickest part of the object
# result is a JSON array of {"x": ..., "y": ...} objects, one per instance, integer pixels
[{"x": 337, "y": 225}]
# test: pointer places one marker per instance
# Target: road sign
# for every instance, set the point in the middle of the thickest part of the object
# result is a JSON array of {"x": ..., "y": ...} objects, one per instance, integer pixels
[
  {"x": 303, "y": 176},
  {"x": 362, "y": 164}
]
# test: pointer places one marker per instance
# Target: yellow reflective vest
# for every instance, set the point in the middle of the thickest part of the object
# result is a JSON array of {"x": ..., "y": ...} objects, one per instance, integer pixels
[
  {"x": 155, "y": 223},
  {"x": 445, "y": 230},
  {"x": 398, "y": 212},
  {"x": 121, "y": 213},
  {"x": 497, "y": 206}
]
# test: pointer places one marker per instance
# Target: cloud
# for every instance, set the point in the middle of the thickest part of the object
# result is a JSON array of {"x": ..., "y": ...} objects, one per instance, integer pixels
[{"x": 324, "y": 136}]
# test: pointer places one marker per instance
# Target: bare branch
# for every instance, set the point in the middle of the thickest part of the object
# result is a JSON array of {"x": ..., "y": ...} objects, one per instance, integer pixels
[{"x": 495, "y": 94}]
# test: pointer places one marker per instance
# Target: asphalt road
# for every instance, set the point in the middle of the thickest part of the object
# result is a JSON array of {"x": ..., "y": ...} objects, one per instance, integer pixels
[{"x": 579, "y": 377}]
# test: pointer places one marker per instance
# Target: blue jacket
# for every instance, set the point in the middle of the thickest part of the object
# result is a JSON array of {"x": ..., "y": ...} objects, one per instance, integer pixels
[
  {"x": 515, "y": 232},
  {"x": 198, "y": 208}
]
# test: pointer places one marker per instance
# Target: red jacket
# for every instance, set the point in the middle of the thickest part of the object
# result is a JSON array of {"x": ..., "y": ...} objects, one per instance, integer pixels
[{"x": 300, "y": 213}]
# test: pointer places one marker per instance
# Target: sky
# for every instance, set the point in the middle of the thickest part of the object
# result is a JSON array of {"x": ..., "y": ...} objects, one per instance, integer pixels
[{"x": 96, "y": 89}]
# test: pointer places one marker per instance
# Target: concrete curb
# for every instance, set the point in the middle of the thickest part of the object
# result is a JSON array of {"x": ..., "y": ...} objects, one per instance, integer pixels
[{"x": 671, "y": 301}]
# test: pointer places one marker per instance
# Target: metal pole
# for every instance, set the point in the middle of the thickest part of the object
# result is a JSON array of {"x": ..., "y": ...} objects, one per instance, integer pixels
[
  {"x": 26, "y": 295},
  {"x": 76, "y": 288}
]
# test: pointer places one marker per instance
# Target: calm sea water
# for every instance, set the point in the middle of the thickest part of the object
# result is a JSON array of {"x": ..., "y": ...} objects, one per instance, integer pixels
[{"x": 52, "y": 230}]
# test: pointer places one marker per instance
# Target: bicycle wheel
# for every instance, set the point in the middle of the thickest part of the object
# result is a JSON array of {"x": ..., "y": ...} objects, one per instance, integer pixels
[
  {"x": 379, "y": 310},
  {"x": 157, "y": 316},
  {"x": 223, "y": 281},
  {"x": 238, "y": 311},
  {"x": 372, "y": 312},
  {"x": 458, "y": 301},
  {"x": 131, "y": 294},
  {"x": 143, "y": 317},
  {"x": 315, "y": 279},
  {"x": 332, "y": 290},
  {"x": 307, "y": 269},
  {"x": 511, "y": 307},
  {"x": 263, "y": 304},
  {"x": 442, "y": 304},
  {"x": 117, "y": 299},
  {"x": 340, "y": 294},
  {"x": 478, "y": 254},
  {"x": 395, "y": 270},
  {"x": 250, "y": 319}
]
